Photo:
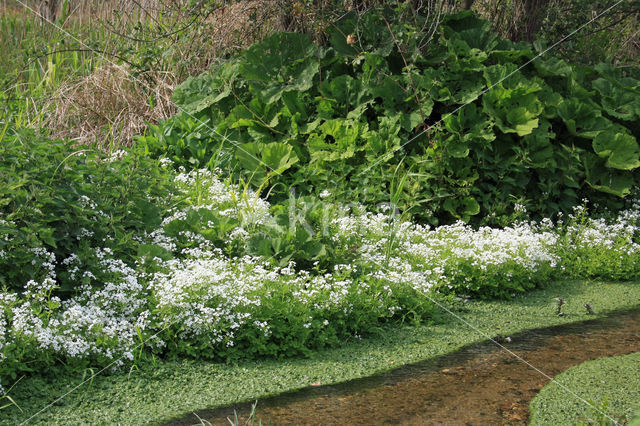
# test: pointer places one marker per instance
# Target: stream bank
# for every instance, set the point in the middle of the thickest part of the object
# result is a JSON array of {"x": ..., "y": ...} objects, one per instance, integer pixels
[{"x": 480, "y": 384}]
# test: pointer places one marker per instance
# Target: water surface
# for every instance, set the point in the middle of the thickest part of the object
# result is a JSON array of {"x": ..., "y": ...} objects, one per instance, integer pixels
[{"x": 480, "y": 384}]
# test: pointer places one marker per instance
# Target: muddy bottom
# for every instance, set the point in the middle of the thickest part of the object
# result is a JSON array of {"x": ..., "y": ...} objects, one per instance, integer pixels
[{"x": 481, "y": 384}]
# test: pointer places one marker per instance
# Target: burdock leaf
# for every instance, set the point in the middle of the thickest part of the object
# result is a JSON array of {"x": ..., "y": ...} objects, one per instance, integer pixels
[
  {"x": 283, "y": 62},
  {"x": 620, "y": 149},
  {"x": 604, "y": 179},
  {"x": 278, "y": 156}
]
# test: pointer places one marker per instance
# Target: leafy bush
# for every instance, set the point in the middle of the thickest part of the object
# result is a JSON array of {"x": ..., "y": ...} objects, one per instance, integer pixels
[
  {"x": 62, "y": 203},
  {"x": 601, "y": 247},
  {"x": 199, "y": 286},
  {"x": 342, "y": 117}
]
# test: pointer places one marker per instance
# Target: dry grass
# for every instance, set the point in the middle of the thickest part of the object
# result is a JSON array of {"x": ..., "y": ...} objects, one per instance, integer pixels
[
  {"x": 109, "y": 107},
  {"x": 237, "y": 26}
]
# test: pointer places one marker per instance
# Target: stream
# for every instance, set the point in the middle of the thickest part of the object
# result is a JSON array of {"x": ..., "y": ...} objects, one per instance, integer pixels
[{"x": 480, "y": 384}]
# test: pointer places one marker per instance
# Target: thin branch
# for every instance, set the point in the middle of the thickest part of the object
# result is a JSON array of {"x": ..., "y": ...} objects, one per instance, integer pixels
[{"x": 614, "y": 23}]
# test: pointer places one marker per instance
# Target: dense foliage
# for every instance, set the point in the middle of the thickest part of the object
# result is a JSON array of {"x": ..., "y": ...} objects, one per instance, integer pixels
[
  {"x": 218, "y": 275},
  {"x": 58, "y": 202},
  {"x": 342, "y": 117},
  {"x": 243, "y": 233}
]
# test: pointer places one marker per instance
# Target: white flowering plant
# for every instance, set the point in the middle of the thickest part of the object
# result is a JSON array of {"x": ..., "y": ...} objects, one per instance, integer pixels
[
  {"x": 71, "y": 200},
  {"x": 606, "y": 246},
  {"x": 198, "y": 285}
]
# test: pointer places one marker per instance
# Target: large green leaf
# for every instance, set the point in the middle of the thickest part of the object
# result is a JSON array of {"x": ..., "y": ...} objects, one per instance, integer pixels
[
  {"x": 463, "y": 21},
  {"x": 207, "y": 89},
  {"x": 283, "y": 62},
  {"x": 336, "y": 140},
  {"x": 468, "y": 88},
  {"x": 552, "y": 67},
  {"x": 470, "y": 125},
  {"x": 296, "y": 106},
  {"x": 620, "y": 149},
  {"x": 604, "y": 179},
  {"x": 369, "y": 31},
  {"x": 278, "y": 157},
  {"x": 260, "y": 160},
  {"x": 248, "y": 155},
  {"x": 478, "y": 39},
  {"x": 506, "y": 52},
  {"x": 462, "y": 208},
  {"x": 618, "y": 101},
  {"x": 541, "y": 153},
  {"x": 348, "y": 92},
  {"x": 255, "y": 119},
  {"x": 551, "y": 100},
  {"x": 512, "y": 101},
  {"x": 500, "y": 74},
  {"x": 582, "y": 119},
  {"x": 385, "y": 138},
  {"x": 514, "y": 110}
]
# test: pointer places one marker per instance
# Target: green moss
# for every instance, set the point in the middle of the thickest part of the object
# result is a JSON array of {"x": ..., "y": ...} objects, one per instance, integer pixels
[
  {"x": 610, "y": 385},
  {"x": 172, "y": 389}
]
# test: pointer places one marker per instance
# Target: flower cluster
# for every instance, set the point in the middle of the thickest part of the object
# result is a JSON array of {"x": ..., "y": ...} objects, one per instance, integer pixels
[{"x": 196, "y": 290}]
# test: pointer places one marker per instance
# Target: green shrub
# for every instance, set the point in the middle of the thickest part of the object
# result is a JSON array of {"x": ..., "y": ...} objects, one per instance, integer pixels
[
  {"x": 223, "y": 275},
  {"x": 342, "y": 117},
  {"x": 61, "y": 203},
  {"x": 602, "y": 247}
]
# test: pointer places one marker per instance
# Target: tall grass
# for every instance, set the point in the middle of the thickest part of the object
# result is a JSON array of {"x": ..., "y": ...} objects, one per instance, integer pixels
[
  {"x": 77, "y": 77},
  {"x": 36, "y": 59}
]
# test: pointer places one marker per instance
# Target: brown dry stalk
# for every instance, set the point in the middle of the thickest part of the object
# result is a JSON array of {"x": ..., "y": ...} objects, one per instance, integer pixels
[{"x": 109, "y": 106}]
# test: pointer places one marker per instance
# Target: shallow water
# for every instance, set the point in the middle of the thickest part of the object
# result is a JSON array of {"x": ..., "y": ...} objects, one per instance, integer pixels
[{"x": 481, "y": 384}]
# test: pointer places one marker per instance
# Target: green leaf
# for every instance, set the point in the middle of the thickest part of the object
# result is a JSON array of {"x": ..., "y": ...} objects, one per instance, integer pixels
[
  {"x": 296, "y": 105},
  {"x": 462, "y": 208},
  {"x": 468, "y": 89},
  {"x": 620, "y": 149},
  {"x": 514, "y": 110},
  {"x": 46, "y": 235},
  {"x": 618, "y": 101},
  {"x": 249, "y": 156},
  {"x": 336, "y": 140},
  {"x": 552, "y": 67},
  {"x": 470, "y": 124},
  {"x": 390, "y": 91},
  {"x": 283, "y": 62},
  {"x": 261, "y": 244},
  {"x": 314, "y": 249},
  {"x": 506, "y": 52},
  {"x": 540, "y": 147},
  {"x": 470, "y": 206},
  {"x": 413, "y": 119},
  {"x": 152, "y": 251},
  {"x": 370, "y": 32},
  {"x": 582, "y": 119},
  {"x": 207, "y": 89},
  {"x": 457, "y": 148},
  {"x": 479, "y": 39},
  {"x": 386, "y": 138},
  {"x": 604, "y": 179},
  {"x": 278, "y": 157},
  {"x": 522, "y": 121},
  {"x": 347, "y": 92},
  {"x": 500, "y": 73}
]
